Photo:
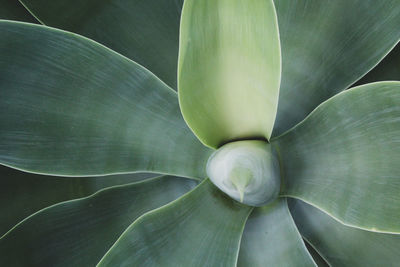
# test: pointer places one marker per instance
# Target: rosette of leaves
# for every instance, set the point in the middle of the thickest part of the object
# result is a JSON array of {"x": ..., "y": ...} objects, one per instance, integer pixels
[{"x": 110, "y": 111}]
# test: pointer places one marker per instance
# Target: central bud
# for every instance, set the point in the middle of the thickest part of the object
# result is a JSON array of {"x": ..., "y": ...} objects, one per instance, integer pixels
[{"x": 248, "y": 171}]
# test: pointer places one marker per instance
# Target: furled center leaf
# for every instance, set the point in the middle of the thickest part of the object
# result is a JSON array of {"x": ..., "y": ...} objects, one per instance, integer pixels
[
  {"x": 229, "y": 69},
  {"x": 247, "y": 171}
]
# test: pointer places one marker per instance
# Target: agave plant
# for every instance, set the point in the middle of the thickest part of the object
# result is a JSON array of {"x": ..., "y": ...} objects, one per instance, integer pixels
[{"x": 263, "y": 156}]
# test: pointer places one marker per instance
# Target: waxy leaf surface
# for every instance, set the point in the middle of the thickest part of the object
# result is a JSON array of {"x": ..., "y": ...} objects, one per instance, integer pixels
[
  {"x": 343, "y": 158},
  {"x": 229, "y": 69},
  {"x": 145, "y": 31},
  {"x": 202, "y": 228},
  {"x": 79, "y": 232},
  {"x": 70, "y": 106},
  {"x": 345, "y": 246},
  {"x": 22, "y": 194},
  {"x": 326, "y": 47},
  {"x": 318, "y": 259},
  {"x": 270, "y": 238},
  {"x": 387, "y": 70}
]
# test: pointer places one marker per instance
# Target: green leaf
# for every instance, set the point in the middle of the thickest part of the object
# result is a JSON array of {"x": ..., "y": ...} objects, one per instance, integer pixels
[
  {"x": 388, "y": 69},
  {"x": 343, "y": 158},
  {"x": 79, "y": 232},
  {"x": 342, "y": 245},
  {"x": 321, "y": 262},
  {"x": 13, "y": 10},
  {"x": 229, "y": 69},
  {"x": 145, "y": 31},
  {"x": 270, "y": 238},
  {"x": 22, "y": 194},
  {"x": 69, "y": 106},
  {"x": 326, "y": 47},
  {"x": 202, "y": 228}
]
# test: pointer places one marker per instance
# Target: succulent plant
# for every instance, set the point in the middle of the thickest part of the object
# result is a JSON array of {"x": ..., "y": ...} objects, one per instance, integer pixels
[{"x": 199, "y": 133}]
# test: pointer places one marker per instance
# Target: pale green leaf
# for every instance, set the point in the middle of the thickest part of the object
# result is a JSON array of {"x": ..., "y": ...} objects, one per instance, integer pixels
[
  {"x": 229, "y": 69},
  {"x": 270, "y": 238},
  {"x": 202, "y": 228},
  {"x": 69, "y": 106},
  {"x": 146, "y": 31},
  {"x": 343, "y": 245},
  {"x": 343, "y": 158},
  {"x": 326, "y": 47},
  {"x": 79, "y": 232}
]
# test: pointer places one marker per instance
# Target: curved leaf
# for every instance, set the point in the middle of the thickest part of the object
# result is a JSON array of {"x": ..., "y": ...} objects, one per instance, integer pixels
[
  {"x": 69, "y": 106},
  {"x": 229, "y": 69},
  {"x": 343, "y": 158},
  {"x": 202, "y": 228},
  {"x": 270, "y": 238},
  {"x": 145, "y": 31},
  {"x": 388, "y": 69},
  {"x": 13, "y": 10},
  {"x": 22, "y": 194},
  {"x": 342, "y": 245},
  {"x": 318, "y": 259},
  {"x": 79, "y": 232},
  {"x": 326, "y": 47}
]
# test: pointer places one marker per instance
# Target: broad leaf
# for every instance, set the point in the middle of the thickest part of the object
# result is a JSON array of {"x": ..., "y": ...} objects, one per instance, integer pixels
[
  {"x": 79, "y": 232},
  {"x": 270, "y": 238},
  {"x": 342, "y": 245},
  {"x": 326, "y": 47},
  {"x": 229, "y": 69},
  {"x": 203, "y": 228},
  {"x": 22, "y": 194},
  {"x": 69, "y": 106},
  {"x": 14, "y": 10},
  {"x": 145, "y": 31},
  {"x": 343, "y": 158}
]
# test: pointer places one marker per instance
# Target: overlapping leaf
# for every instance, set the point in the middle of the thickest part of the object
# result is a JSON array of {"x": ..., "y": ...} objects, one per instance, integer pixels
[
  {"x": 318, "y": 259},
  {"x": 13, "y": 10},
  {"x": 342, "y": 245},
  {"x": 22, "y": 194},
  {"x": 326, "y": 47},
  {"x": 145, "y": 31},
  {"x": 270, "y": 236},
  {"x": 69, "y": 106},
  {"x": 80, "y": 109},
  {"x": 387, "y": 70},
  {"x": 203, "y": 228},
  {"x": 79, "y": 232},
  {"x": 343, "y": 157}
]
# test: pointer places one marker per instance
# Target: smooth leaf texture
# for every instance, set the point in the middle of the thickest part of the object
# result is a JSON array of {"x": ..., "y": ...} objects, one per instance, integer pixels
[
  {"x": 321, "y": 262},
  {"x": 343, "y": 158},
  {"x": 22, "y": 194},
  {"x": 342, "y": 245},
  {"x": 388, "y": 69},
  {"x": 13, "y": 10},
  {"x": 229, "y": 69},
  {"x": 326, "y": 47},
  {"x": 145, "y": 31},
  {"x": 69, "y": 106},
  {"x": 79, "y": 232},
  {"x": 203, "y": 228},
  {"x": 270, "y": 238}
]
